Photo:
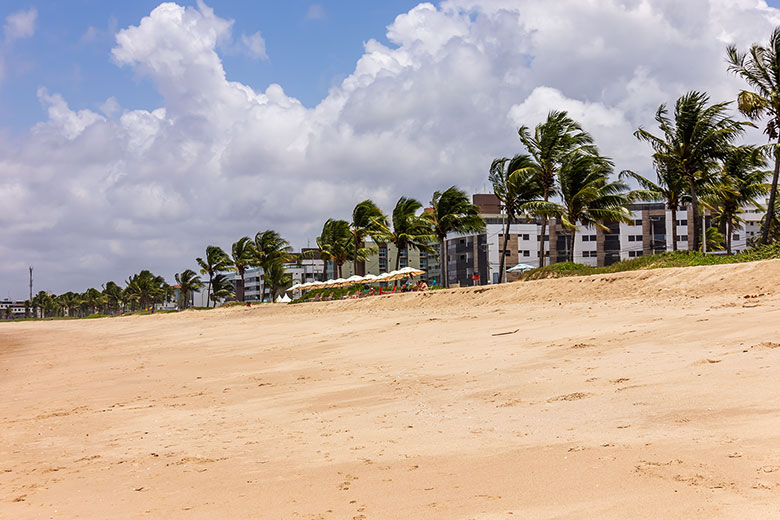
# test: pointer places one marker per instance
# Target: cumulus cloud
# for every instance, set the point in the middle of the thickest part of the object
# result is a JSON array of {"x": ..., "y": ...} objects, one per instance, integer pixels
[
  {"x": 20, "y": 24},
  {"x": 254, "y": 45},
  {"x": 149, "y": 188}
]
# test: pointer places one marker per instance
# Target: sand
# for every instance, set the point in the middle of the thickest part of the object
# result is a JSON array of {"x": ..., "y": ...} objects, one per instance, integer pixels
[{"x": 649, "y": 394}]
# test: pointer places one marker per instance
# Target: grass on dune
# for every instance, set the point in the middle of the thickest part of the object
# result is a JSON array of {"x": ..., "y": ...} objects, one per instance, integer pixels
[{"x": 659, "y": 261}]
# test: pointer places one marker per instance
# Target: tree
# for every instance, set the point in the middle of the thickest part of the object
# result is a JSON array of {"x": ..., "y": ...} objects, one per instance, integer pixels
[
  {"x": 216, "y": 260},
  {"x": 335, "y": 243},
  {"x": 760, "y": 68},
  {"x": 276, "y": 278},
  {"x": 714, "y": 240},
  {"x": 146, "y": 289},
  {"x": 588, "y": 197},
  {"x": 741, "y": 180},
  {"x": 270, "y": 247},
  {"x": 367, "y": 220},
  {"x": 221, "y": 288},
  {"x": 409, "y": 229},
  {"x": 243, "y": 252},
  {"x": 670, "y": 189},
  {"x": 516, "y": 187},
  {"x": 189, "y": 282},
  {"x": 113, "y": 296},
  {"x": 451, "y": 212},
  {"x": 698, "y": 135},
  {"x": 549, "y": 145},
  {"x": 93, "y": 299}
]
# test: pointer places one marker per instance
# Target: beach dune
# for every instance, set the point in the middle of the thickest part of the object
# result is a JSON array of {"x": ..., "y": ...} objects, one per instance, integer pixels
[{"x": 647, "y": 394}]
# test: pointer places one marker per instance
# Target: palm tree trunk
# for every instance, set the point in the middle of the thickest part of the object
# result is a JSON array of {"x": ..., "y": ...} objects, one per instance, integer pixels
[
  {"x": 674, "y": 227},
  {"x": 541, "y": 239},
  {"x": 443, "y": 263},
  {"x": 695, "y": 208},
  {"x": 503, "y": 251},
  {"x": 571, "y": 245},
  {"x": 355, "y": 260},
  {"x": 208, "y": 292},
  {"x": 728, "y": 236},
  {"x": 241, "y": 274},
  {"x": 770, "y": 210}
]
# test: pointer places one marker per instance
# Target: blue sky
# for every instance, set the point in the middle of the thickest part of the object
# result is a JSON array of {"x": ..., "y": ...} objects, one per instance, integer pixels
[{"x": 310, "y": 45}]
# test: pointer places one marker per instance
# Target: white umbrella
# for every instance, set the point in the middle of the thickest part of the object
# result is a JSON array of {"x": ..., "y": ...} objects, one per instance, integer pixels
[
  {"x": 519, "y": 268},
  {"x": 354, "y": 279},
  {"x": 411, "y": 271},
  {"x": 392, "y": 275},
  {"x": 338, "y": 282},
  {"x": 370, "y": 278}
]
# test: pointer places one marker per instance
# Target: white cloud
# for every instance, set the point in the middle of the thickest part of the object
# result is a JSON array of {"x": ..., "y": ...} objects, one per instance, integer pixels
[
  {"x": 150, "y": 188},
  {"x": 315, "y": 12},
  {"x": 20, "y": 24},
  {"x": 254, "y": 45}
]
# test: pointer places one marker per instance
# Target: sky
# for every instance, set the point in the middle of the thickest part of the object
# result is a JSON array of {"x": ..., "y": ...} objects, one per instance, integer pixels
[{"x": 134, "y": 134}]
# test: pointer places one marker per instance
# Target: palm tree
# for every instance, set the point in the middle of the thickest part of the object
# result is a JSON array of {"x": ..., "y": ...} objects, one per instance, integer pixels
[
  {"x": 692, "y": 143},
  {"x": 113, "y": 295},
  {"x": 516, "y": 187},
  {"x": 549, "y": 145},
  {"x": 335, "y": 243},
  {"x": 451, "y": 212},
  {"x": 93, "y": 300},
  {"x": 742, "y": 180},
  {"x": 714, "y": 240},
  {"x": 216, "y": 260},
  {"x": 670, "y": 189},
  {"x": 189, "y": 282},
  {"x": 243, "y": 251},
  {"x": 409, "y": 229},
  {"x": 276, "y": 278},
  {"x": 760, "y": 68},
  {"x": 221, "y": 288},
  {"x": 146, "y": 289},
  {"x": 367, "y": 220},
  {"x": 587, "y": 195},
  {"x": 270, "y": 247}
]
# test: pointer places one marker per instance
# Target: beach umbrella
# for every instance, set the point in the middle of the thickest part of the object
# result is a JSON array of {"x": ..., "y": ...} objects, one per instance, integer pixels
[
  {"x": 354, "y": 279},
  {"x": 338, "y": 282},
  {"x": 370, "y": 278},
  {"x": 411, "y": 271},
  {"x": 392, "y": 275},
  {"x": 519, "y": 268}
]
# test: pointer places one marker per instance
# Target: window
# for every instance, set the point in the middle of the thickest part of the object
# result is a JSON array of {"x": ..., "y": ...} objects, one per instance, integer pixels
[
  {"x": 638, "y": 222},
  {"x": 634, "y": 238},
  {"x": 588, "y": 238},
  {"x": 526, "y": 253},
  {"x": 524, "y": 236},
  {"x": 507, "y": 252},
  {"x": 634, "y": 254},
  {"x": 682, "y": 222},
  {"x": 589, "y": 254},
  {"x": 735, "y": 237},
  {"x": 682, "y": 238}
]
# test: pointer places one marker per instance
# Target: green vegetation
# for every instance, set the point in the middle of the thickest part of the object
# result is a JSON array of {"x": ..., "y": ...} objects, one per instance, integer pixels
[{"x": 660, "y": 261}]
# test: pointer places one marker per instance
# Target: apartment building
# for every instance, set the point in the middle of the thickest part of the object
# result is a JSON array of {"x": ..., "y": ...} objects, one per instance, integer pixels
[
  {"x": 475, "y": 259},
  {"x": 13, "y": 309}
]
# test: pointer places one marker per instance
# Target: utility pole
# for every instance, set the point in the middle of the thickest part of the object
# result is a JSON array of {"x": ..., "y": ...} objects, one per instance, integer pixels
[{"x": 31, "y": 280}]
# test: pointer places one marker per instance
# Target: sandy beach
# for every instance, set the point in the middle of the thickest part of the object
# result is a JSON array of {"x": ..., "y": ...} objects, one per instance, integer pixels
[{"x": 648, "y": 394}]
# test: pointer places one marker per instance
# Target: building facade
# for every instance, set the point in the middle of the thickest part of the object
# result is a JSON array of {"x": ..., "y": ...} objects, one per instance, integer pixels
[{"x": 475, "y": 259}]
